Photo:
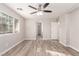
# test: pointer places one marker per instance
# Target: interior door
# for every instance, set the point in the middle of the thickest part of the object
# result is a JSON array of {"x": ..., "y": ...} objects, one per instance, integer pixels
[{"x": 54, "y": 30}]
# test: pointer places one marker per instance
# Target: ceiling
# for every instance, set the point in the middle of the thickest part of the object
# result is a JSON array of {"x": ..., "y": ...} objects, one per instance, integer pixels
[{"x": 57, "y": 8}]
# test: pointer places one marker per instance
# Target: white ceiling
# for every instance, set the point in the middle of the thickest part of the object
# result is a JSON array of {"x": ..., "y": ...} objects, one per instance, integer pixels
[{"x": 57, "y": 8}]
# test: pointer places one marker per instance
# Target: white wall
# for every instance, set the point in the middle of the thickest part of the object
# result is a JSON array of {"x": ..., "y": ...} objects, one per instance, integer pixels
[
  {"x": 63, "y": 29},
  {"x": 31, "y": 28},
  {"x": 31, "y": 25},
  {"x": 8, "y": 40},
  {"x": 74, "y": 29},
  {"x": 69, "y": 29}
]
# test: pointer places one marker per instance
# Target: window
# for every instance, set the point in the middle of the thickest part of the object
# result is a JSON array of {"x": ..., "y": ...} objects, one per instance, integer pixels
[
  {"x": 7, "y": 24},
  {"x": 10, "y": 24},
  {"x": 16, "y": 25}
]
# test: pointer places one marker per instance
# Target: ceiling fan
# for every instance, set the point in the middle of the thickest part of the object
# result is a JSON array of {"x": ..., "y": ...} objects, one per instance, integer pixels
[{"x": 39, "y": 9}]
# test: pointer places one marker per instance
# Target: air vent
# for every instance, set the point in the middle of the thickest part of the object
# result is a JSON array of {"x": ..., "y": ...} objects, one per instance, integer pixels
[{"x": 19, "y": 9}]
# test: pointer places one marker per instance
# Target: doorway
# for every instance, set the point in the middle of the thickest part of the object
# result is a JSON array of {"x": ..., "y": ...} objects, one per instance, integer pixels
[{"x": 39, "y": 34}]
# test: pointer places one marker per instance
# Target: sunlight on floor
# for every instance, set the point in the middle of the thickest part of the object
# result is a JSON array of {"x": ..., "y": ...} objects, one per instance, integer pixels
[
  {"x": 52, "y": 53},
  {"x": 55, "y": 53}
]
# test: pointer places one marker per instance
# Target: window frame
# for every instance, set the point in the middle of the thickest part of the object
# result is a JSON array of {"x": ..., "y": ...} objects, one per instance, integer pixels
[{"x": 9, "y": 22}]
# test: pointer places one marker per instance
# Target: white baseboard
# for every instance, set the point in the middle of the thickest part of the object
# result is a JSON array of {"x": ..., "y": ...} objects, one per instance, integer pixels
[
  {"x": 63, "y": 44},
  {"x": 42, "y": 39},
  {"x": 11, "y": 47},
  {"x": 69, "y": 46},
  {"x": 30, "y": 39},
  {"x": 74, "y": 48}
]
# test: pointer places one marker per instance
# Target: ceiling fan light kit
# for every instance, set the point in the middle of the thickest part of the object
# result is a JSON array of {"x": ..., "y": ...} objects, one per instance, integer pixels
[{"x": 40, "y": 13}]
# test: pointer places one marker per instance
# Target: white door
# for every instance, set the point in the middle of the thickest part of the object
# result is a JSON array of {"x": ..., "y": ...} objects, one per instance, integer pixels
[{"x": 54, "y": 30}]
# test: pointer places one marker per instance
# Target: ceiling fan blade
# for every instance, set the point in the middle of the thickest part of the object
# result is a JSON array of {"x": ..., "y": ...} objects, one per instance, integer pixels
[
  {"x": 32, "y": 7},
  {"x": 47, "y": 10},
  {"x": 45, "y": 5},
  {"x": 34, "y": 12}
]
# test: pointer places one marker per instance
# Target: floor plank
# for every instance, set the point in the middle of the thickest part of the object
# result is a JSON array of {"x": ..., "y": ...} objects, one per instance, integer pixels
[{"x": 39, "y": 48}]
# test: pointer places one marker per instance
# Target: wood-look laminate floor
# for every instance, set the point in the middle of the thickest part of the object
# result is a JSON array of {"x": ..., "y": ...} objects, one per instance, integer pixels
[{"x": 38, "y": 48}]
